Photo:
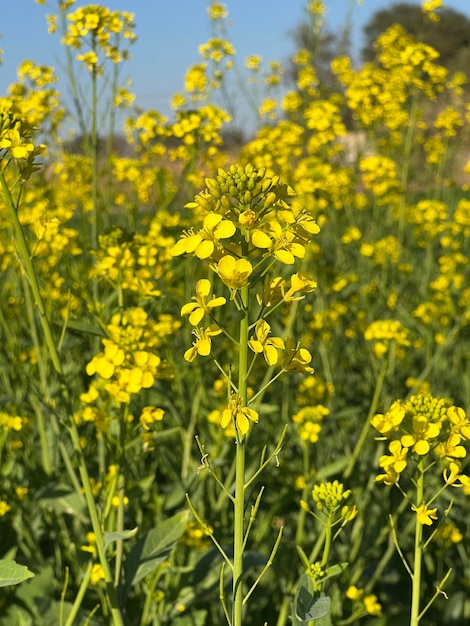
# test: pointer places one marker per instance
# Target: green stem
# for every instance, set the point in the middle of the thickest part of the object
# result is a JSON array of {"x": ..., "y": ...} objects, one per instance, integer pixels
[
  {"x": 328, "y": 537},
  {"x": 365, "y": 429},
  {"x": 80, "y": 595},
  {"x": 239, "y": 504},
  {"x": 418, "y": 550}
]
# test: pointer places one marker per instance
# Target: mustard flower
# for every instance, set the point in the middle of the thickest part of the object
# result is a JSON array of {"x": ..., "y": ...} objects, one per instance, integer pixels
[
  {"x": 459, "y": 421},
  {"x": 4, "y": 508},
  {"x": 388, "y": 423},
  {"x": 238, "y": 415},
  {"x": 204, "y": 242},
  {"x": 450, "y": 449},
  {"x": 423, "y": 431},
  {"x": 263, "y": 344},
  {"x": 203, "y": 344},
  {"x": 425, "y": 516},
  {"x": 300, "y": 283},
  {"x": 150, "y": 415},
  {"x": 391, "y": 477},
  {"x": 217, "y": 11},
  {"x": 97, "y": 574},
  {"x": 397, "y": 459},
  {"x": 105, "y": 363},
  {"x": 202, "y": 305},
  {"x": 280, "y": 242},
  {"x": 233, "y": 272},
  {"x": 371, "y": 605},
  {"x": 297, "y": 360}
]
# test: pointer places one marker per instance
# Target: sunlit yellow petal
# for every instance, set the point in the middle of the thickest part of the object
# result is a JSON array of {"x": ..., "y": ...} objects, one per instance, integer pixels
[{"x": 260, "y": 239}]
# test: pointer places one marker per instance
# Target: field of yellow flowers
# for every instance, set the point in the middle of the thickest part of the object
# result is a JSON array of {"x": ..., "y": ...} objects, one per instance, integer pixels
[{"x": 234, "y": 381}]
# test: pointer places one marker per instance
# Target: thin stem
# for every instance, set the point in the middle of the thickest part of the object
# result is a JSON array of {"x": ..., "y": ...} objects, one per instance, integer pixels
[
  {"x": 267, "y": 566},
  {"x": 418, "y": 550},
  {"x": 239, "y": 505},
  {"x": 80, "y": 595},
  {"x": 365, "y": 429}
]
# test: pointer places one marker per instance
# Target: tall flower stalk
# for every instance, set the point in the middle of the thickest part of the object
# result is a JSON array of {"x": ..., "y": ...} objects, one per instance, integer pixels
[
  {"x": 424, "y": 433},
  {"x": 247, "y": 224}
]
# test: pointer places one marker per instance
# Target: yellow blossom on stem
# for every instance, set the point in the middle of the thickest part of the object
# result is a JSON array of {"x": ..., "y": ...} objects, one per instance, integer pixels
[
  {"x": 233, "y": 272},
  {"x": 263, "y": 344},
  {"x": 203, "y": 344},
  {"x": 297, "y": 360},
  {"x": 397, "y": 459},
  {"x": 150, "y": 415},
  {"x": 425, "y": 516},
  {"x": 300, "y": 283},
  {"x": 203, "y": 243},
  {"x": 423, "y": 431},
  {"x": 388, "y": 423},
  {"x": 238, "y": 415},
  {"x": 203, "y": 304}
]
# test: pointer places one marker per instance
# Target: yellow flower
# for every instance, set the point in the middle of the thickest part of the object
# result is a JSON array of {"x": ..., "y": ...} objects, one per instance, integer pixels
[
  {"x": 97, "y": 574},
  {"x": 450, "y": 448},
  {"x": 150, "y": 415},
  {"x": 297, "y": 360},
  {"x": 202, "y": 345},
  {"x": 238, "y": 415},
  {"x": 299, "y": 283},
  {"x": 233, "y": 272},
  {"x": 388, "y": 424},
  {"x": 397, "y": 459},
  {"x": 425, "y": 516},
  {"x": 204, "y": 242},
  {"x": 268, "y": 346},
  {"x": 371, "y": 605},
  {"x": 196, "y": 310},
  {"x": 4, "y": 508},
  {"x": 423, "y": 430},
  {"x": 353, "y": 593}
]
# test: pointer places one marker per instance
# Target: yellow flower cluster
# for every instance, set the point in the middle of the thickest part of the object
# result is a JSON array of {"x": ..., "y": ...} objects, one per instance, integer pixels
[
  {"x": 368, "y": 600},
  {"x": 421, "y": 426},
  {"x": 132, "y": 262},
  {"x": 128, "y": 363},
  {"x": 308, "y": 420},
  {"x": 386, "y": 334},
  {"x": 15, "y": 140},
  {"x": 101, "y": 29}
]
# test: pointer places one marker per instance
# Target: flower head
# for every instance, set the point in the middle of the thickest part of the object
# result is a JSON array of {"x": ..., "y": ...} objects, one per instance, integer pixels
[
  {"x": 263, "y": 344},
  {"x": 425, "y": 516},
  {"x": 233, "y": 272},
  {"x": 203, "y": 344},
  {"x": 203, "y": 304},
  {"x": 238, "y": 415}
]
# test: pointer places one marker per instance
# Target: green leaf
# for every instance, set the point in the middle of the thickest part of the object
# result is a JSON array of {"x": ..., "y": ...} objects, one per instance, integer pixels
[
  {"x": 334, "y": 570},
  {"x": 84, "y": 328},
  {"x": 307, "y": 605},
  {"x": 62, "y": 499},
  {"x": 153, "y": 548},
  {"x": 117, "y": 536},
  {"x": 11, "y": 573}
]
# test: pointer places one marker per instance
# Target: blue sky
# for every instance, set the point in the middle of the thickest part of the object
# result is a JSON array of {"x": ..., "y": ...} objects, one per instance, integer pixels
[{"x": 169, "y": 32}]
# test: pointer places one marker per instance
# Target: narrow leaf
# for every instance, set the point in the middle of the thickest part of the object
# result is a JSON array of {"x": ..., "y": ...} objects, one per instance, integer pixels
[{"x": 117, "y": 536}]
